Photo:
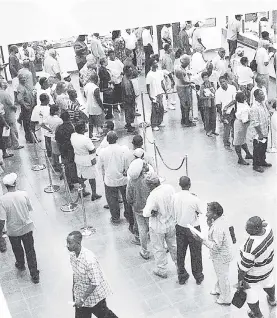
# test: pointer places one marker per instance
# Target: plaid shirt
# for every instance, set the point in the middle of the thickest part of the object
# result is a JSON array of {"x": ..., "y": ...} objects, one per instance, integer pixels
[
  {"x": 86, "y": 272},
  {"x": 260, "y": 117}
]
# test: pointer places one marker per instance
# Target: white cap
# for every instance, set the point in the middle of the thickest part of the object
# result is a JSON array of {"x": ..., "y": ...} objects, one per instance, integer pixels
[
  {"x": 138, "y": 152},
  {"x": 135, "y": 168},
  {"x": 9, "y": 179}
]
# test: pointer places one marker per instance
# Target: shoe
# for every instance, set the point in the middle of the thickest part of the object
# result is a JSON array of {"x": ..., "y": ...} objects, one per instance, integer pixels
[
  {"x": 209, "y": 134},
  {"x": 190, "y": 124},
  {"x": 8, "y": 155},
  {"x": 86, "y": 194},
  {"x": 96, "y": 197},
  {"x": 258, "y": 169},
  {"x": 137, "y": 114},
  {"x": 272, "y": 303},
  {"x": 162, "y": 124},
  {"x": 218, "y": 301},
  {"x": 19, "y": 121},
  {"x": 20, "y": 267},
  {"x": 135, "y": 241},
  {"x": 199, "y": 280},
  {"x": 252, "y": 315},
  {"x": 171, "y": 107},
  {"x": 115, "y": 222},
  {"x": 214, "y": 293},
  {"x": 144, "y": 256},
  {"x": 228, "y": 148},
  {"x": 156, "y": 128},
  {"x": 35, "y": 279},
  {"x": 182, "y": 279},
  {"x": 157, "y": 273},
  {"x": 215, "y": 133},
  {"x": 249, "y": 156},
  {"x": 71, "y": 187},
  {"x": 131, "y": 129},
  {"x": 243, "y": 162},
  {"x": 173, "y": 103},
  {"x": 266, "y": 164},
  {"x": 18, "y": 147},
  {"x": 106, "y": 206},
  {"x": 120, "y": 201}
]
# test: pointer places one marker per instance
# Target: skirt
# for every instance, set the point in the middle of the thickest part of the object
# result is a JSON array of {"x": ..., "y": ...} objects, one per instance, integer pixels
[
  {"x": 86, "y": 172},
  {"x": 240, "y": 131}
]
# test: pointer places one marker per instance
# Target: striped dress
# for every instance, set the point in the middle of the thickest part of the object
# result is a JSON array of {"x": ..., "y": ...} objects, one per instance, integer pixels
[{"x": 257, "y": 257}]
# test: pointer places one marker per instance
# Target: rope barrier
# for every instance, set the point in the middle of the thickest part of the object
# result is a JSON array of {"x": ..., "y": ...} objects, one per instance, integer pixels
[{"x": 180, "y": 166}]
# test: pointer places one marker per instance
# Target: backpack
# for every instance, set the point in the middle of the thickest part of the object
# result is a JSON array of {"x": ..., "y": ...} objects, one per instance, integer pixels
[{"x": 253, "y": 64}]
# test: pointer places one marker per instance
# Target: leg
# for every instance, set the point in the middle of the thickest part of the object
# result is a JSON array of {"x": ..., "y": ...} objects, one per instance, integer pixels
[
  {"x": 160, "y": 110},
  {"x": 159, "y": 251},
  {"x": 213, "y": 118},
  {"x": 14, "y": 135},
  {"x": 127, "y": 208},
  {"x": 271, "y": 294},
  {"x": 112, "y": 200},
  {"x": 102, "y": 311},
  {"x": 182, "y": 245},
  {"x": 27, "y": 129},
  {"x": 28, "y": 242},
  {"x": 196, "y": 256},
  {"x": 248, "y": 154},
  {"x": 170, "y": 239},
  {"x": 92, "y": 183},
  {"x": 256, "y": 156},
  {"x": 206, "y": 113},
  {"x": 90, "y": 126},
  {"x": 17, "y": 250},
  {"x": 226, "y": 134},
  {"x": 143, "y": 228},
  {"x": 48, "y": 146},
  {"x": 83, "y": 312},
  {"x": 222, "y": 274},
  {"x": 241, "y": 161}
]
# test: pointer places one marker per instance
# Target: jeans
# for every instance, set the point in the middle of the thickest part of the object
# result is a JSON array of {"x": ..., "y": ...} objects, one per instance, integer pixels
[
  {"x": 28, "y": 243},
  {"x": 143, "y": 228},
  {"x": 48, "y": 146},
  {"x": 210, "y": 118},
  {"x": 100, "y": 310},
  {"x": 26, "y": 120},
  {"x": 259, "y": 153},
  {"x": 227, "y": 127},
  {"x": 130, "y": 111},
  {"x": 113, "y": 202},
  {"x": 159, "y": 250},
  {"x": 223, "y": 285},
  {"x": 232, "y": 47},
  {"x": 184, "y": 239}
]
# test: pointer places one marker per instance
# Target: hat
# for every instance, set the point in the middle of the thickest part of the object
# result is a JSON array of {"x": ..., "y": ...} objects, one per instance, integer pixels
[
  {"x": 138, "y": 153},
  {"x": 9, "y": 179},
  {"x": 43, "y": 74},
  {"x": 65, "y": 75},
  {"x": 135, "y": 168},
  {"x": 152, "y": 178}
]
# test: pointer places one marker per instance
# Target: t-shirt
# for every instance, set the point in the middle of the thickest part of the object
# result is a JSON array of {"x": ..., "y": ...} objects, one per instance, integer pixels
[
  {"x": 116, "y": 69},
  {"x": 261, "y": 58},
  {"x": 195, "y": 37},
  {"x": 15, "y": 209},
  {"x": 154, "y": 79},
  {"x": 245, "y": 75},
  {"x": 82, "y": 145},
  {"x": 93, "y": 107},
  {"x": 40, "y": 113},
  {"x": 52, "y": 122},
  {"x": 234, "y": 27},
  {"x": 51, "y": 66},
  {"x": 44, "y": 91},
  {"x": 225, "y": 97}
]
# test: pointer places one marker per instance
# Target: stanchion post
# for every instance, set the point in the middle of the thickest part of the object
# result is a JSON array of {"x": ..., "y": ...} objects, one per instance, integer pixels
[
  {"x": 52, "y": 187},
  {"x": 69, "y": 206},
  {"x": 85, "y": 230},
  {"x": 271, "y": 149},
  {"x": 156, "y": 161},
  {"x": 187, "y": 173},
  {"x": 144, "y": 121},
  {"x": 37, "y": 166}
]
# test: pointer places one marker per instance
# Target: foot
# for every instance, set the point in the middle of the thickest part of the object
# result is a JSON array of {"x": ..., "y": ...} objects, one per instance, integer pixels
[
  {"x": 199, "y": 280},
  {"x": 183, "y": 279},
  {"x": 173, "y": 103},
  {"x": 106, "y": 206},
  {"x": 214, "y": 292},
  {"x": 35, "y": 279},
  {"x": 135, "y": 241},
  {"x": 223, "y": 303},
  {"x": 94, "y": 138},
  {"x": 20, "y": 267},
  {"x": 156, "y": 128},
  {"x": 115, "y": 222},
  {"x": 137, "y": 114},
  {"x": 96, "y": 197},
  {"x": 271, "y": 302},
  {"x": 266, "y": 164},
  {"x": 18, "y": 147},
  {"x": 252, "y": 315},
  {"x": 228, "y": 148},
  {"x": 215, "y": 133},
  {"x": 86, "y": 194},
  {"x": 120, "y": 201},
  {"x": 162, "y": 124},
  {"x": 209, "y": 134},
  {"x": 131, "y": 129},
  {"x": 159, "y": 274},
  {"x": 8, "y": 155},
  {"x": 171, "y": 107},
  {"x": 165, "y": 111},
  {"x": 258, "y": 169},
  {"x": 243, "y": 162},
  {"x": 144, "y": 255},
  {"x": 249, "y": 156},
  {"x": 71, "y": 187},
  {"x": 190, "y": 124}
]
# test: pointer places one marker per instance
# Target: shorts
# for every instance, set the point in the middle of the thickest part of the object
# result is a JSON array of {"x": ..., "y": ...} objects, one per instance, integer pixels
[
  {"x": 86, "y": 172},
  {"x": 97, "y": 120}
]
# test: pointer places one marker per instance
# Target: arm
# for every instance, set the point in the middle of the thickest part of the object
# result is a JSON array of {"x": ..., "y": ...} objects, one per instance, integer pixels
[
  {"x": 130, "y": 193},
  {"x": 149, "y": 207},
  {"x": 3, "y": 121},
  {"x": 172, "y": 79},
  {"x": 200, "y": 41},
  {"x": 216, "y": 243},
  {"x": 12, "y": 65},
  {"x": 163, "y": 87},
  {"x": 148, "y": 92},
  {"x": 98, "y": 98},
  {"x": 232, "y": 103}
]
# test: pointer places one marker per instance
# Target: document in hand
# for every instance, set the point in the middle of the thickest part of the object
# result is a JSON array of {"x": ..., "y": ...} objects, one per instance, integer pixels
[{"x": 195, "y": 231}]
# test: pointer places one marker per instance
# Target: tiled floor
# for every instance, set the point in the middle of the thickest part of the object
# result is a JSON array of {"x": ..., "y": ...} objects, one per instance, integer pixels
[{"x": 137, "y": 293}]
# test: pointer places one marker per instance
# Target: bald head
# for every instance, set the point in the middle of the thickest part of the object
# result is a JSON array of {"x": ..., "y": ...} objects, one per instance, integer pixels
[
  {"x": 112, "y": 137},
  {"x": 76, "y": 236},
  {"x": 184, "y": 183},
  {"x": 185, "y": 60}
]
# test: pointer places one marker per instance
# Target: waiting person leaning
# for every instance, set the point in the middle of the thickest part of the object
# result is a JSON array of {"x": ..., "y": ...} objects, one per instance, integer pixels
[
  {"x": 15, "y": 208},
  {"x": 90, "y": 287}
]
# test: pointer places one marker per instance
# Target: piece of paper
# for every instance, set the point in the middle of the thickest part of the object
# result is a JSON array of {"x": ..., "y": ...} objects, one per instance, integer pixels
[
  {"x": 6, "y": 132},
  {"x": 195, "y": 231},
  {"x": 71, "y": 303}
]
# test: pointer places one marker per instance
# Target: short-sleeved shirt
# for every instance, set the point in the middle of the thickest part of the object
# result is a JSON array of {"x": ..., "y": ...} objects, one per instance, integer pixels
[
  {"x": 87, "y": 272},
  {"x": 245, "y": 75},
  {"x": 52, "y": 122},
  {"x": 196, "y": 35},
  {"x": 225, "y": 97},
  {"x": 234, "y": 27},
  {"x": 15, "y": 209},
  {"x": 262, "y": 57},
  {"x": 82, "y": 145},
  {"x": 51, "y": 66},
  {"x": 259, "y": 116},
  {"x": 154, "y": 79}
]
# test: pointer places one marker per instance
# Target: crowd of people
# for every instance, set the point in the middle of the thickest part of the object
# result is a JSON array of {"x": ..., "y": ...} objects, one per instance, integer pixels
[{"x": 223, "y": 87}]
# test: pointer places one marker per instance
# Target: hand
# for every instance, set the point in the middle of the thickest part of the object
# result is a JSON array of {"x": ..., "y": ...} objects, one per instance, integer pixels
[
  {"x": 154, "y": 213},
  {"x": 79, "y": 303},
  {"x": 7, "y": 126},
  {"x": 261, "y": 137},
  {"x": 93, "y": 161},
  {"x": 166, "y": 96}
]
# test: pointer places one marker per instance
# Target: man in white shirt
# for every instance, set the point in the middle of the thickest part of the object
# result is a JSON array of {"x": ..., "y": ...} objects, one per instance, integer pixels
[
  {"x": 44, "y": 89},
  {"x": 51, "y": 65},
  {"x": 27, "y": 53},
  {"x": 15, "y": 208},
  {"x": 147, "y": 42},
  {"x": 165, "y": 34},
  {"x": 97, "y": 49},
  {"x": 197, "y": 44},
  {"x": 155, "y": 88},
  {"x": 259, "y": 83},
  {"x": 233, "y": 29},
  {"x": 113, "y": 164},
  {"x": 159, "y": 209},
  {"x": 187, "y": 209},
  {"x": 262, "y": 59},
  {"x": 225, "y": 102},
  {"x": 219, "y": 63},
  {"x": 130, "y": 43},
  {"x": 85, "y": 160}
]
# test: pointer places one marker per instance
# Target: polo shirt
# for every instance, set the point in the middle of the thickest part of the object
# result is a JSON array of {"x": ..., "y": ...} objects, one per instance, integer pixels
[
  {"x": 154, "y": 79},
  {"x": 223, "y": 97}
]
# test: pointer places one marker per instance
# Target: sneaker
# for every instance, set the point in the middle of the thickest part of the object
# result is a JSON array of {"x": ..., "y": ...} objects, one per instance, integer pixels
[
  {"x": 86, "y": 194},
  {"x": 106, "y": 206},
  {"x": 214, "y": 292},
  {"x": 20, "y": 267},
  {"x": 243, "y": 162},
  {"x": 96, "y": 197},
  {"x": 182, "y": 279},
  {"x": 156, "y": 128},
  {"x": 159, "y": 274},
  {"x": 266, "y": 164},
  {"x": 162, "y": 124},
  {"x": 272, "y": 303},
  {"x": 252, "y": 315},
  {"x": 35, "y": 279},
  {"x": 171, "y": 107},
  {"x": 199, "y": 280},
  {"x": 145, "y": 256},
  {"x": 215, "y": 133},
  {"x": 135, "y": 241},
  {"x": 249, "y": 156},
  {"x": 220, "y": 302},
  {"x": 18, "y": 147},
  {"x": 115, "y": 222},
  {"x": 258, "y": 169},
  {"x": 137, "y": 114}
]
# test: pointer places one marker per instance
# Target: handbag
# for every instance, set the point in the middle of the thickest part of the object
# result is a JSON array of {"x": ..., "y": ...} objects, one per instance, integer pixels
[
  {"x": 239, "y": 298},
  {"x": 253, "y": 64}
]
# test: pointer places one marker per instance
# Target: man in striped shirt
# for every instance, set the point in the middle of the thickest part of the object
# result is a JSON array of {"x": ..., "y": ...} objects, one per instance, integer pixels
[{"x": 256, "y": 265}]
